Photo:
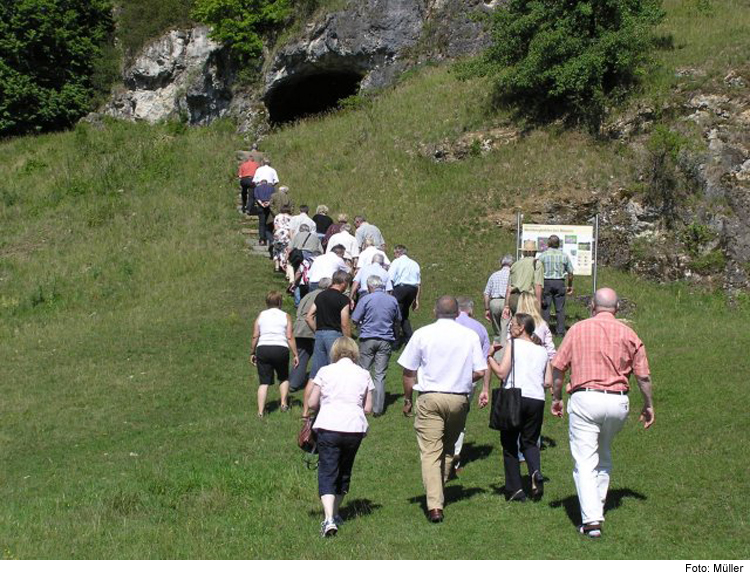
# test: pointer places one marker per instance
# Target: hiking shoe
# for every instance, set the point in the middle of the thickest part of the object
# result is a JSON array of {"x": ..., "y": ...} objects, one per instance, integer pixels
[
  {"x": 537, "y": 485},
  {"x": 328, "y": 528},
  {"x": 592, "y": 530}
]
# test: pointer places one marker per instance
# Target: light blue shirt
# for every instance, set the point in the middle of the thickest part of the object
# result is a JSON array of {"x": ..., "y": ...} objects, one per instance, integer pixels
[
  {"x": 376, "y": 314},
  {"x": 374, "y": 269},
  {"x": 405, "y": 272}
]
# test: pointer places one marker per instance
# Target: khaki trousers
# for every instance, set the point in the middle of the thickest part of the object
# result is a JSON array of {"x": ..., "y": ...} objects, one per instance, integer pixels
[
  {"x": 499, "y": 324},
  {"x": 440, "y": 420}
]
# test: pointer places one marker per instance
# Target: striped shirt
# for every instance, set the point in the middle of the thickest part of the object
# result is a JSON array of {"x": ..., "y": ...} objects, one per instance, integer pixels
[
  {"x": 556, "y": 264},
  {"x": 601, "y": 353},
  {"x": 497, "y": 285}
]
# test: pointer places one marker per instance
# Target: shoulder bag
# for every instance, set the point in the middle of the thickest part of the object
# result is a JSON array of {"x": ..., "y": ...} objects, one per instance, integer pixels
[
  {"x": 306, "y": 437},
  {"x": 506, "y": 402}
]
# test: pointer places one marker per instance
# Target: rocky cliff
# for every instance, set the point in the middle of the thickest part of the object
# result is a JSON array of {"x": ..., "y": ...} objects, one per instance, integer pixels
[{"x": 185, "y": 74}]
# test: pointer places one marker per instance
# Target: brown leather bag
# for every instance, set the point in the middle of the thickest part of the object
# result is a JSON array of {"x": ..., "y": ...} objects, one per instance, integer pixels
[{"x": 306, "y": 437}]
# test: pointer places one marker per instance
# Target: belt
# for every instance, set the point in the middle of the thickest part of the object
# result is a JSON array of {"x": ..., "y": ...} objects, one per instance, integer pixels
[
  {"x": 450, "y": 393},
  {"x": 618, "y": 392},
  {"x": 361, "y": 340}
]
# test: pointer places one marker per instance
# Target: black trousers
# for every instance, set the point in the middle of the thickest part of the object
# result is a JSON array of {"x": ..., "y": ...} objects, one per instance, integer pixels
[
  {"x": 298, "y": 376},
  {"x": 554, "y": 294},
  {"x": 337, "y": 452},
  {"x": 247, "y": 186},
  {"x": 405, "y": 296},
  {"x": 532, "y": 415},
  {"x": 263, "y": 233}
]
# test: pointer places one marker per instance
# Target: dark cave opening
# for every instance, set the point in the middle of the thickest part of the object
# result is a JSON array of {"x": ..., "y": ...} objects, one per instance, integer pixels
[{"x": 304, "y": 95}]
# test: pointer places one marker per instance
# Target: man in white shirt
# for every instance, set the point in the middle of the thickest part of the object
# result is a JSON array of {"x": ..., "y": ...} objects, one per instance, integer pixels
[
  {"x": 265, "y": 173},
  {"x": 301, "y": 219},
  {"x": 326, "y": 265},
  {"x": 442, "y": 361},
  {"x": 359, "y": 285},
  {"x": 406, "y": 277},
  {"x": 345, "y": 238},
  {"x": 367, "y": 231},
  {"x": 370, "y": 251}
]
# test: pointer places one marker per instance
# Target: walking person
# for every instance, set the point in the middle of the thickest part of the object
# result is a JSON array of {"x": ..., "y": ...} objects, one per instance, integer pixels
[
  {"x": 601, "y": 353},
  {"x": 441, "y": 362},
  {"x": 525, "y": 366},
  {"x": 281, "y": 238},
  {"x": 322, "y": 221},
  {"x": 466, "y": 318},
  {"x": 263, "y": 193},
  {"x": 494, "y": 299},
  {"x": 557, "y": 266},
  {"x": 377, "y": 315},
  {"x": 304, "y": 338},
  {"x": 272, "y": 340},
  {"x": 247, "y": 186},
  {"x": 343, "y": 391},
  {"x": 328, "y": 317},
  {"x": 526, "y": 275},
  {"x": 406, "y": 278}
]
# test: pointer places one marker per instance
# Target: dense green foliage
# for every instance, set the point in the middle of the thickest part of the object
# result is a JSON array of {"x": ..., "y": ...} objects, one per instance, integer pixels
[
  {"x": 48, "y": 50},
  {"x": 569, "y": 58},
  {"x": 241, "y": 24}
]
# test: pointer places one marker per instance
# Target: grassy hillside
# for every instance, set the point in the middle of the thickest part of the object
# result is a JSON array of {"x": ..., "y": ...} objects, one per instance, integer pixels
[{"x": 127, "y": 426}]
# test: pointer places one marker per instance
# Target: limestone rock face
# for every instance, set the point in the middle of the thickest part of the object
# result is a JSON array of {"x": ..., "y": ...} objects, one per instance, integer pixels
[{"x": 184, "y": 73}]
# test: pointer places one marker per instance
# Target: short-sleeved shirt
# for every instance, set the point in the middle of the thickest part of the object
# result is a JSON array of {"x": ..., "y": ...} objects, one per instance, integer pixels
[
  {"x": 473, "y": 324},
  {"x": 404, "y": 271},
  {"x": 367, "y": 231},
  {"x": 376, "y": 314},
  {"x": 325, "y": 266},
  {"x": 497, "y": 284},
  {"x": 601, "y": 353},
  {"x": 328, "y": 307},
  {"x": 322, "y": 222},
  {"x": 374, "y": 269},
  {"x": 366, "y": 255},
  {"x": 305, "y": 241},
  {"x": 347, "y": 240},
  {"x": 525, "y": 274},
  {"x": 556, "y": 264},
  {"x": 445, "y": 355},
  {"x": 265, "y": 173},
  {"x": 343, "y": 389},
  {"x": 527, "y": 373},
  {"x": 247, "y": 169},
  {"x": 301, "y": 219}
]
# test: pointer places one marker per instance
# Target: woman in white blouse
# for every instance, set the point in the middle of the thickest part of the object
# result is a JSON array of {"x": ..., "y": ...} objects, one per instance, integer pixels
[
  {"x": 272, "y": 340},
  {"x": 343, "y": 390},
  {"x": 531, "y": 372}
]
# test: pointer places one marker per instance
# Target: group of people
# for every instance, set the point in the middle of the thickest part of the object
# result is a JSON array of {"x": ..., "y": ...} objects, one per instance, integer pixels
[{"x": 342, "y": 277}]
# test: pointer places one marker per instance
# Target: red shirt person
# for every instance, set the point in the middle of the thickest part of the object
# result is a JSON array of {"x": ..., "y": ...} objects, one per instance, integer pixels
[
  {"x": 601, "y": 353},
  {"x": 245, "y": 174}
]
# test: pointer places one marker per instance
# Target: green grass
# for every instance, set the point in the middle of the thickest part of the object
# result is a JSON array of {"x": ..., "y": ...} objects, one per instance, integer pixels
[{"x": 127, "y": 425}]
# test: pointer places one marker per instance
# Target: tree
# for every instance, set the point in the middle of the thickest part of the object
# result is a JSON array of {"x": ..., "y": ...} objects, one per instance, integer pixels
[
  {"x": 241, "y": 24},
  {"x": 569, "y": 58},
  {"x": 47, "y": 53}
]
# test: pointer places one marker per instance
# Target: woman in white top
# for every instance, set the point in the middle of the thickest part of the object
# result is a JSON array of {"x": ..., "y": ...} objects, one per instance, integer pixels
[
  {"x": 343, "y": 390},
  {"x": 272, "y": 340},
  {"x": 530, "y": 371}
]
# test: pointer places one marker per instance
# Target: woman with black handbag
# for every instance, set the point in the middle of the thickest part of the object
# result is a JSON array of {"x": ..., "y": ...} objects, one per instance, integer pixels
[{"x": 526, "y": 366}]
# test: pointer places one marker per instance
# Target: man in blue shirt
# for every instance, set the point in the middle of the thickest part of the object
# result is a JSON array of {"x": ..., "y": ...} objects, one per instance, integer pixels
[
  {"x": 359, "y": 284},
  {"x": 376, "y": 314},
  {"x": 466, "y": 318}
]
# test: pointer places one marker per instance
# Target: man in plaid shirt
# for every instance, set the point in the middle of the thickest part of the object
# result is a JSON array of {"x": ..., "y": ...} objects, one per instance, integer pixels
[
  {"x": 556, "y": 266},
  {"x": 601, "y": 353}
]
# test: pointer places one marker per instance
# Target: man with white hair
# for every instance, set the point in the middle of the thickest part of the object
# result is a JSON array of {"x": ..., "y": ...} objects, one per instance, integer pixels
[
  {"x": 369, "y": 251},
  {"x": 601, "y": 353},
  {"x": 265, "y": 173},
  {"x": 377, "y": 315},
  {"x": 367, "y": 231},
  {"x": 345, "y": 238},
  {"x": 359, "y": 284}
]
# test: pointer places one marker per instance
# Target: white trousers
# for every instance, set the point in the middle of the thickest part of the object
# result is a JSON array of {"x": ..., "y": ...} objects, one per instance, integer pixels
[{"x": 595, "y": 418}]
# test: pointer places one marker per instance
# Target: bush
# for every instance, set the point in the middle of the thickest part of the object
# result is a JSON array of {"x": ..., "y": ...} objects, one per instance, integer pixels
[
  {"x": 569, "y": 58},
  {"x": 140, "y": 21},
  {"x": 241, "y": 24},
  {"x": 48, "y": 49}
]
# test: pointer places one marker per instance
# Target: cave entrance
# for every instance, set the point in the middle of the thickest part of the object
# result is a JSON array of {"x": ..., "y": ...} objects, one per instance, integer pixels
[{"x": 303, "y": 95}]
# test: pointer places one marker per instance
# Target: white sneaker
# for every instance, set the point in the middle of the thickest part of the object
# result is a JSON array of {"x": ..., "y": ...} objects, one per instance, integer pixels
[
  {"x": 593, "y": 530},
  {"x": 328, "y": 528}
]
